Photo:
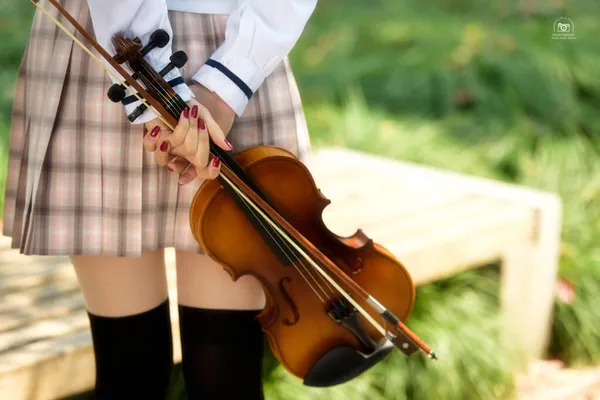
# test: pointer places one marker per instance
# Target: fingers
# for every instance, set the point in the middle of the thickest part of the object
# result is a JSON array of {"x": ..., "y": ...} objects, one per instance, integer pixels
[
  {"x": 151, "y": 138},
  {"x": 215, "y": 132},
  {"x": 162, "y": 154},
  {"x": 211, "y": 171},
  {"x": 178, "y": 165},
  {"x": 200, "y": 158},
  {"x": 181, "y": 130}
]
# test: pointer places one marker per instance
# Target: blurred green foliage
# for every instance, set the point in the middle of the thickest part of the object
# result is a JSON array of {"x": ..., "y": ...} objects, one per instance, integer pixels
[{"x": 472, "y": 86}]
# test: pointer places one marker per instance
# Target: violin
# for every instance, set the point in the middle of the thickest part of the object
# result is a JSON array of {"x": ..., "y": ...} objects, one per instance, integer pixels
[{"x": 335, "y": 305}]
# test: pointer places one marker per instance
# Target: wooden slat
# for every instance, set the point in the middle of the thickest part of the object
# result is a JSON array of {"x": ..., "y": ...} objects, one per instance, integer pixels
[
  {"x": 60, "y": 273},
  {"x": 345, "y": 217},
  {"x": 448, "y": 252},
  {"x": 61, "y": 305},
  {"x": 565, "y": 384},
  {"x": 347, "y": 160},
  {"x": 45, "y": 328},
  {"x": 48, "y": 369}
]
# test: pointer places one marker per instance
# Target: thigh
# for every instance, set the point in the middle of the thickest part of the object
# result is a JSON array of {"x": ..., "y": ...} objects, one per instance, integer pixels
[
  {"x": 202, "y": 283},
  {"x": 120, "y": 286}
]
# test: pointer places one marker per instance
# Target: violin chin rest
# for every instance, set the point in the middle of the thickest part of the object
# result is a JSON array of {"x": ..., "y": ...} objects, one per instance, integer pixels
[{"x": 344, "y": 363}]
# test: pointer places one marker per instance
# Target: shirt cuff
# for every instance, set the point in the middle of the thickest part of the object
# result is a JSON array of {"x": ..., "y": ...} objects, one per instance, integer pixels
[
  {"x": 182, "y": 90},
  {"x": 216, "y": 81}
]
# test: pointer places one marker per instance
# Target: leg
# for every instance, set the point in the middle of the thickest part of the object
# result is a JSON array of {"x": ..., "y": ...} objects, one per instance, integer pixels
[
  {"x": 528, "y": 283},
  {"x": 127, "y": 303},
  {"x": 221, "y": 342}
]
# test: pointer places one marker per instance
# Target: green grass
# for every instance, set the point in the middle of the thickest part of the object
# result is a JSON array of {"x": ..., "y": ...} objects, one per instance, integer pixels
[{"x": 470, "y": 86}]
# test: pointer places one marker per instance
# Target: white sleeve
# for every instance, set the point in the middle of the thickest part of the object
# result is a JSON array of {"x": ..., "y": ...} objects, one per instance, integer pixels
[
  {"x": 259, "y": 34},
  {"x": 136, "y": 18}
]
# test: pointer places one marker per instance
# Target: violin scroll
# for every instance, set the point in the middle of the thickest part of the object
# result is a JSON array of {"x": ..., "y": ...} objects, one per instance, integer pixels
[{"x": 130, "y": 51}]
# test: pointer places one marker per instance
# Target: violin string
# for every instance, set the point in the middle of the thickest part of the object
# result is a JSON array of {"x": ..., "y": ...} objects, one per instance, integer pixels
[
  {"x": 341, "y": 290},
  {"x": 319, "y": 280},
  {"x": 167, "y": 98},
  {"x": 293, "y": 258},
  {"x": 287, "y": 255}
]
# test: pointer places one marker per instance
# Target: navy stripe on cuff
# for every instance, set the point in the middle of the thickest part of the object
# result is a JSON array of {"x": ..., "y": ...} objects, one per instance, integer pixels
[
  {"x": 132, "y": 99},
  {"x": 234, "y": 78}
]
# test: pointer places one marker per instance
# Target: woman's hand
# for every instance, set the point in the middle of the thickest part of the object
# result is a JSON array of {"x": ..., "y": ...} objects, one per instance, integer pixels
[{"x": 207, "y": 116}]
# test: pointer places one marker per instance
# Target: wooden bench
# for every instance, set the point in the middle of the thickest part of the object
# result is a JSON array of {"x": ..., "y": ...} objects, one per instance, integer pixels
[{"x": 438, "y": 223}]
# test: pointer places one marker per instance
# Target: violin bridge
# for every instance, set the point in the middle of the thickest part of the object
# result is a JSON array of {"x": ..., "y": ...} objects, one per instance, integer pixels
[{"x": 348, "y": 317}]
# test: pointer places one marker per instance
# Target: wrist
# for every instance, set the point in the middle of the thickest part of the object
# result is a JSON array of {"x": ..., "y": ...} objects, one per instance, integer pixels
[{"x": 202, "y": 92}]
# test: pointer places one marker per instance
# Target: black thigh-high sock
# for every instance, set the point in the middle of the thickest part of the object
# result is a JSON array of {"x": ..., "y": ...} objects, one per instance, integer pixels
[
  {"x": 134, "y": 355},
  {"x": 222, "y": 353}
]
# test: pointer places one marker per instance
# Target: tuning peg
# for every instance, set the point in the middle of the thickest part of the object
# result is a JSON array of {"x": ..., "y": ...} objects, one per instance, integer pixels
[
  {"x": 178, "y": 60},
  {"x": 116, "y": 93},
  {"x": 159, "y": 38}
]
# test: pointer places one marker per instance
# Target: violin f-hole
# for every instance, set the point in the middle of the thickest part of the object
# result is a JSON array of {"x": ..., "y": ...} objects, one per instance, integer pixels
[{"x": 289, "y": 301}]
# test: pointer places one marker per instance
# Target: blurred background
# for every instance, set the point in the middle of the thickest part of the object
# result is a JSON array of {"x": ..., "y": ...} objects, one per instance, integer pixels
[{"x": 477, "y": 87}]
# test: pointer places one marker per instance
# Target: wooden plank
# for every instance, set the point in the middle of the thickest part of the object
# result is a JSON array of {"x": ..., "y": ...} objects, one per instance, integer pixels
[
  {"x": 43, "y": 329},
  {"x": 62, "y": 272},
  {"x": 37, "y": 296},
  {"x": 446, "y": 253},
  {"x": 62, "y": 365},
  {"x": 564, "y": 384},
  {"x": 395, "y": 225},
  {"x": 529, "y": 278},
  {"x": 348, "y": 159},
  {"x": 13, "y": 262},
  {"x": 345, "y": 217},
  {"x": 21, "y": 309},
  {"x": 48, "y": 369}
]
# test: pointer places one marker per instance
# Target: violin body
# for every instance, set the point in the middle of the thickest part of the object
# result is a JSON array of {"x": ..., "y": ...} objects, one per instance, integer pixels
[{"x": 303, "y": 329}]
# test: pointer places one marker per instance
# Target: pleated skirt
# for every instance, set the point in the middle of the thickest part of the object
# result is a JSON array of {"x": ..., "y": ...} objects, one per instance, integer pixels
[{"x": 79, "y": 180}]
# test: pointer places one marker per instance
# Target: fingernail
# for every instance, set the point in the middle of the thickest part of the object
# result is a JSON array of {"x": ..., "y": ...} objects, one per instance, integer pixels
[
  {"x": 201, "y": 124},
  {"x": 145, "y": 131},
  {"x": 216, "y": 162},
  {"x": 186, "y": 113},
  {"x": 228, "y": 144},
  {"x": 194, "y": 111},
  {"x": 155, "y": 131},
  {"x": 164, "y": 146},
  {"x": 170, "y": 169}
]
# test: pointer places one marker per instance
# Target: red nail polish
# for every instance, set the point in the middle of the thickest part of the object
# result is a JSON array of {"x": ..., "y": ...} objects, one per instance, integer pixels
[
  {"x": 228, "y": 144},
  {"x": 155, "y": 131},
  {"x": 194, "y": 111},
  {"x": 201, "y": 124},
  {"x": 186, "y": 113},
  {"x": 164, "y": 146},
  {"x": 145, "y": 131},
  {"x": 216, "y": 162}
]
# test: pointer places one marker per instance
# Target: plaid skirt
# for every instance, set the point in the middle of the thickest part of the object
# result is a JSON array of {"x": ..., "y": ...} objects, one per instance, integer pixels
[{"x": 79, "y": 180}]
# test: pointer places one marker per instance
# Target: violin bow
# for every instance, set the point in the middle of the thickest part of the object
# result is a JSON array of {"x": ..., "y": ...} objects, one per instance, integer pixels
[{"x": 402, "y": 337}]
